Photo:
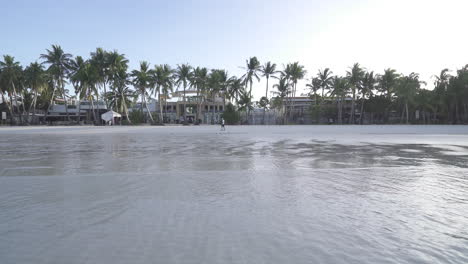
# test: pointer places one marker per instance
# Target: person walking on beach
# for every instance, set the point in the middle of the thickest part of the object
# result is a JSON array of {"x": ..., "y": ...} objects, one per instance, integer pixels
[{"x": 222, "y": 125}]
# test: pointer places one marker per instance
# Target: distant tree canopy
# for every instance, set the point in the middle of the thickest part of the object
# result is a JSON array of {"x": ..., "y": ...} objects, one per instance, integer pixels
[
  {"x": 384, "y": 97},
  {"x": 231, "y": 115}
]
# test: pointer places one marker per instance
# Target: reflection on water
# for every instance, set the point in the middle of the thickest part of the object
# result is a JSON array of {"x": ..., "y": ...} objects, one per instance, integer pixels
[{"x": 154, "y": 195}]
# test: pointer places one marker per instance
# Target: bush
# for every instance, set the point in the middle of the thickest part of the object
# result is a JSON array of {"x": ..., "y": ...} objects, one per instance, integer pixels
[
  {"x": 136, "y": 117},
  {"x": 155, "y": 118},
  {"x": 231, "y": 115}
]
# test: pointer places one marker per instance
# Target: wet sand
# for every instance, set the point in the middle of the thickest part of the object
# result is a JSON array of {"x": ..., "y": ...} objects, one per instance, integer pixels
[{"x": 258, "y": 194}]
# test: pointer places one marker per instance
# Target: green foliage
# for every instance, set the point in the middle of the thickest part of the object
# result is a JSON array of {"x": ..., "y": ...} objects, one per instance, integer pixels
[
  {"x": 276, "y": 102},
  {"x": 137, "y": 117},
  {"x": 264, "y": 102},
  {"x": 231, "y": 115},
  {"x": 384, "y": 97}
]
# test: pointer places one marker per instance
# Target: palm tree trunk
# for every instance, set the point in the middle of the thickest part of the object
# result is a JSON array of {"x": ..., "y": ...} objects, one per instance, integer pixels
[
  {"x": 317, "y": 108},
  {"x": 465, "y": 108},
  {"x": 266, "y": 96},
  {"x": 31, "y": 105},
  {"x": 149, "y": 112},
  {"x": 340, "y": 110},
  {"x": 141, "y": 106},
  {"x": 66, "y": 106},
  {"x": 62, "y": 88},
  {"x": 185, "y": 107},
  {"x": 291, "y": 103},
  {"x": 9, "y": 108},
  {"x": 16, "y": 103},
  {"x": 13, "y": 113},
  {"x": 250, "y": 96},
  {"x": 165, "y": 109},
  {"x": 362, "y": 111},
  {"x": 292, "y": 110},
  {"x": 23, "y": 104},
  {"x": 23, "y": 97},
  {"x": 407, "y": 114},
  {"x": 79, "y": 107},
  {"x": 402, "y": 114},
  {"x": 94, "y": 111},
  {"x": 160, "y": 109},
  {"x": 213, "y": 112},
  {"x": 98, "y": 116},
  {"x": 105, "y": 95},
  {"x": 126, "y": 110},
  {"x": 285, "y": 104},
  {"x": 198, "y": 106},
  {"x": 353, "y": 105},
  {"x": 50, "y": 102}
]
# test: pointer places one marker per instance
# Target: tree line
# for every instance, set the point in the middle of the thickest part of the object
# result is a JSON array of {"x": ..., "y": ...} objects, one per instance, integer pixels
[{"x": 360, "y": 94}]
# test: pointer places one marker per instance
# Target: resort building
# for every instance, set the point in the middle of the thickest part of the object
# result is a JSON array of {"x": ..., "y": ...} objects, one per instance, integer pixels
[
  {"x": 77, "y": 110},
  {"x": 209, "y": 109}
]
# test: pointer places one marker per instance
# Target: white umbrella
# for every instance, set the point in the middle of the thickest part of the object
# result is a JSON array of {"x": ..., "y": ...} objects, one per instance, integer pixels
[{"x": 109, "y": 116}]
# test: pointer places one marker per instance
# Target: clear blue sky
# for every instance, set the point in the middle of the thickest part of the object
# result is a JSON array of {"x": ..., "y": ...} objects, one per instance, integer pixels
[{"x": 417, "y": 35}]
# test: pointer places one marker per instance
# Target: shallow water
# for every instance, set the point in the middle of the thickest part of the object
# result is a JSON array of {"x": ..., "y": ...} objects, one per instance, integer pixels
[{"x": 289, "y": 194}]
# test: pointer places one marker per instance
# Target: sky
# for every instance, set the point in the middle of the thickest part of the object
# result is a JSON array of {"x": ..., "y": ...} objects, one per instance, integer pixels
[{"x": 422, "y": 36}]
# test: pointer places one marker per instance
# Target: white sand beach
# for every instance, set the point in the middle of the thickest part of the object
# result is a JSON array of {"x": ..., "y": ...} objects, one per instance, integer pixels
[{"x": 251, "y": 194}]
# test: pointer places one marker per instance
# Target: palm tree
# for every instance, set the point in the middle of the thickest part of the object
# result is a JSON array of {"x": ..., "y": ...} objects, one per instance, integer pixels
[
  {"x": 284, "y": 89},
  {"x": 253, "y": 68},
  {"x": 425, "y": 102},
  {"x": 355, "y": 76},
  {"x": 245, "y": 102},
  {"x": 268, "y": 70},
  {"x": 142, "y": 79},
  {"x": 199, "y": 80},
  {"x": 407, "y": 89},
  {"x": 59, "y": 64},
  {"x": 214, "y": 86},
  {"x": 35, "y": 78},
  {"x": 387, "y": 85},
  {"x": 236, "y": 86},
  {"x": 224, "y": 82},
  {"x": 85, "y": 79},
  {"x": 369, "y": 83},
  {"x": 163, "y": 81},
  {"x": 116, "y": 65},
  {"x": 440, "y": 89},
  {"x": 325, "y": 79},
  {"x": 99, "y": 59},
  {"x": 76, "y": 69},
  {"x": 314, "y": 86},
  {"x": 10, "y": 77},
  {"x": 77, "y": 76},
  {"x": 122, "y": 95},
  {"x": 294, "y": 72},
  {"x": 183, "y": 76},
  {"x": 340, "y": 88},
  {"x": 457, "y": 94}
]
